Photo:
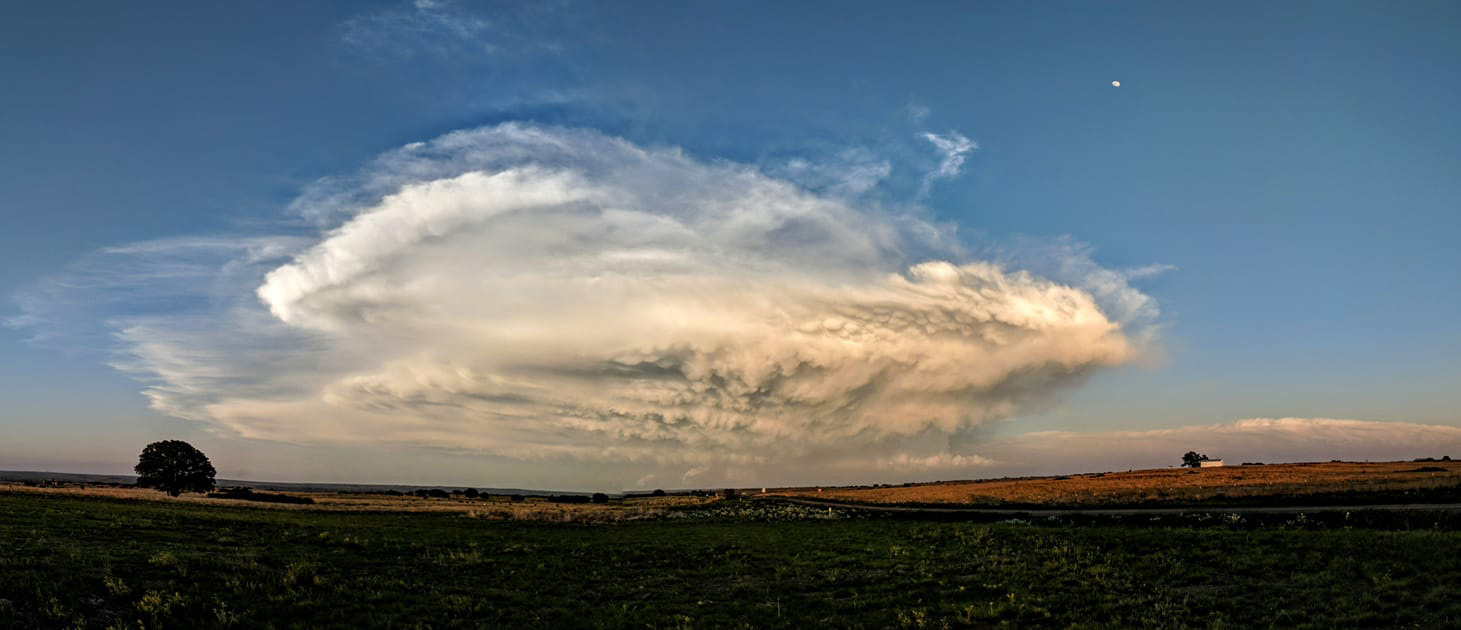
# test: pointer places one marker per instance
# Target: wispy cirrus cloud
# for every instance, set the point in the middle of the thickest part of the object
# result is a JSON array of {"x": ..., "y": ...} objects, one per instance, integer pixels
[
  {"x": 424, "y": 28},
  {"x": 448, "y": 31},
  {"x": 541, "y": 293},
  {"x": 953, "y": 148},
  {"x": 847, "y": 173}
]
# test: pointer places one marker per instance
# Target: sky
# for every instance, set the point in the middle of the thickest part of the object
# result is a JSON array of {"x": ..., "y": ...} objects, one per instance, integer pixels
[{"x": 634, "y": 245}]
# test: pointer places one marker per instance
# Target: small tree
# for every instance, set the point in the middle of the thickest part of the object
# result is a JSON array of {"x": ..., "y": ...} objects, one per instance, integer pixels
[
  {"x": 657, "y": 493},
  {"x": 470, "y": 493},
  {"x": 1193, "y": 460},
  {"x": 174, "y": 467},
  {"x": 600, "y": 497}
]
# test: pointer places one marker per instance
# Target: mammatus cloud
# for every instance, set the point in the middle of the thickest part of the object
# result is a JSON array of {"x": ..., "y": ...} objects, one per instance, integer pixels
[{"x": 550, "y": 293}]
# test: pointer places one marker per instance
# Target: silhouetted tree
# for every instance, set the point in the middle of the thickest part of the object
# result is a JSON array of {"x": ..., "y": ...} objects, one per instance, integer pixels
[
  {"x": 657, "y": 493},
  {"x": 517, "y": 498},
  {"x": 470, "y": 493},
  {"x": 437, "y": 493},
  {"x": 174, "y": 467},
  {"x": 1193, "y": 459},
  {"x": 600, "y": 497}
]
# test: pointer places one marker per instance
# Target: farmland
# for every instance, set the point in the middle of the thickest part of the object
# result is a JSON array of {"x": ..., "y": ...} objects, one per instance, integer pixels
[
  {"x": 79, "y": 560},
  {"x": 1343, "y": 483},
  {"x": 489, "y": 508}
]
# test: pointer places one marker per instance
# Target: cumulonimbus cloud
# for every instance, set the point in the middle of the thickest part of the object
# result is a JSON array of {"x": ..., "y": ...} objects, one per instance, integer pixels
[{"x": 542, "y": 292}]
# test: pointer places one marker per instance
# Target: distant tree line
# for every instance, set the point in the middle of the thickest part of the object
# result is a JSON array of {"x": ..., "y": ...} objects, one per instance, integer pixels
[{"x": 1193, "y": 459}]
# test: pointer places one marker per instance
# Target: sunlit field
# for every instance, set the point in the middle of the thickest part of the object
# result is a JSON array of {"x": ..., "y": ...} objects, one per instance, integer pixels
[
  {"x": 79, "y": 561},
  {"x": 1329, "y": 482},
  {"x": 498, "y": 507}
]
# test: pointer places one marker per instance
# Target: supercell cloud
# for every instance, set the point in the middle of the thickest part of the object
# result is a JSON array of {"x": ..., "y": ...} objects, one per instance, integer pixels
[{"x": 549, "y": 293}]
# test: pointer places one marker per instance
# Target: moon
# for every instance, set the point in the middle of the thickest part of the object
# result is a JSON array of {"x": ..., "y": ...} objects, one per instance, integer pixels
[{"x": 1115, "y": 84}]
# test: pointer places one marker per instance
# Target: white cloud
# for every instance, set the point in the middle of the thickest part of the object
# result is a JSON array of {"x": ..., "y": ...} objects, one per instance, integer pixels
[
  {"x": 849, "y": 173},
  {"x": 953, "y": 149},
  {"x": 942, "y": 462},
  {"x": 425, "y": 28},
  {"x": 105, "y": 290},
  {"x": 1071, "y": 262},
  {"x": 694, "y": 475},
  {"x": 541, "y": 293},
  {"x": 448, "y": 31},
  {"x": 1267, "y": 440}
]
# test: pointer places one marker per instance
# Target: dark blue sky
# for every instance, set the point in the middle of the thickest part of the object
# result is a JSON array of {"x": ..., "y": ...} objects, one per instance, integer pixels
[{"x": 1294, "y": 162}]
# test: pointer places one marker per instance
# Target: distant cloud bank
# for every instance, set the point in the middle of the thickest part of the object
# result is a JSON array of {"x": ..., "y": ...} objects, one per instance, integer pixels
[
  {"x": 542, "y": 293},
  {"x": 1267, "y": 440}
]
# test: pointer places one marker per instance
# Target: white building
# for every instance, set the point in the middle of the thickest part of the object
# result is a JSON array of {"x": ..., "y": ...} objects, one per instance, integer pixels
[{"x": 1211, "y": 463}]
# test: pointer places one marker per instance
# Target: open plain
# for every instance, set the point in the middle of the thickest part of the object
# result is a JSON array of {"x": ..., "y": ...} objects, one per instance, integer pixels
[
  {"x": 1273, "y": 484},
  {"x": 101, "y": 557}
]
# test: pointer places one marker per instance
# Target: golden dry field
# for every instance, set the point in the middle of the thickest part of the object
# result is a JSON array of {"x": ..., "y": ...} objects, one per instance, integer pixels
[
  {"x": 494, "y": 508},
  {"x": 1170, "y": 485}
]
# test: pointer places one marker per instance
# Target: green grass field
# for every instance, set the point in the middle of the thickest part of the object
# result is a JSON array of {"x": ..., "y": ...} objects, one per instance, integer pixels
[{"x": 67, "y": 561}]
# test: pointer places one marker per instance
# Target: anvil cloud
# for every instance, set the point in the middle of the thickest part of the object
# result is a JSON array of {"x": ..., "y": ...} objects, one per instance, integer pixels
[{"x": 540, "y": 293}]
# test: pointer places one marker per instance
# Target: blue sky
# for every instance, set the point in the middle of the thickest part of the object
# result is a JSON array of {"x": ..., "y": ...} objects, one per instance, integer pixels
[{"x": 1290, "y": 166}]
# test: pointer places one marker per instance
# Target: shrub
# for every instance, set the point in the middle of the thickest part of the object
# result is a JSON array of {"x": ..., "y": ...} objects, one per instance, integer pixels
[
  {"x": 246, "y": 494},
  {"x": 600, "y": 497}
]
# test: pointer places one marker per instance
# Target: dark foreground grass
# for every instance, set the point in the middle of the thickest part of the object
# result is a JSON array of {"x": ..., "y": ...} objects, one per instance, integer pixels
[{"x": 103, "y": 563}]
